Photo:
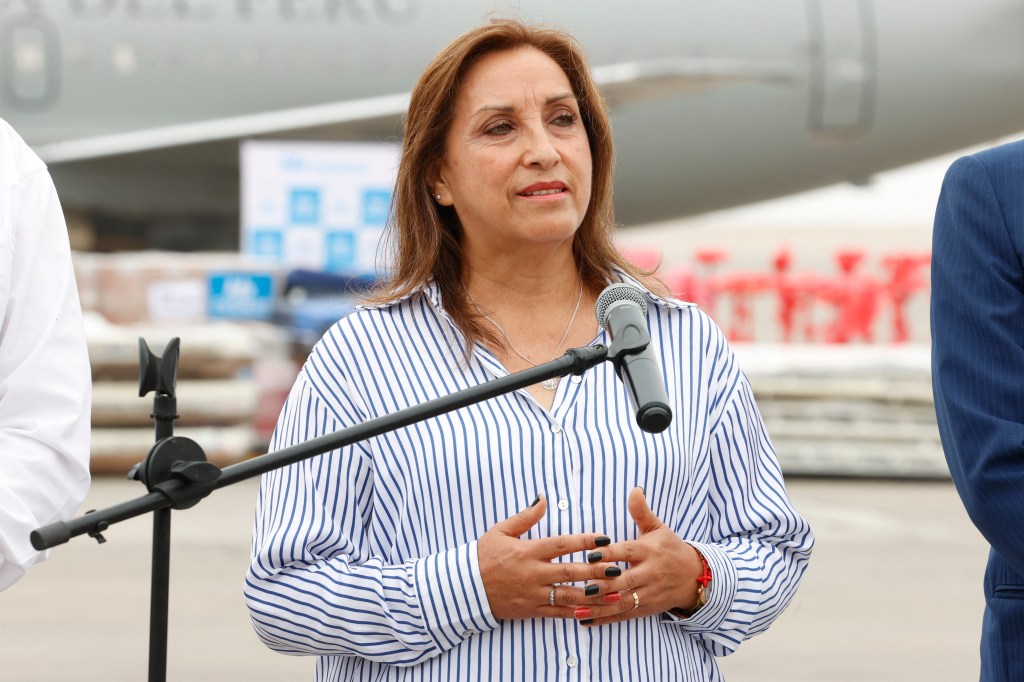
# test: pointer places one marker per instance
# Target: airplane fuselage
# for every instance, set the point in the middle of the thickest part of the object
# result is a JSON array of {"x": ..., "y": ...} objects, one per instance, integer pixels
[{"x": 861, "y": 86}]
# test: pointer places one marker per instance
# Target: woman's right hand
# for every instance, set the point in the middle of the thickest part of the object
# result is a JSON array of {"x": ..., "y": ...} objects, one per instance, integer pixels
[{"x": 519, "y": 575}]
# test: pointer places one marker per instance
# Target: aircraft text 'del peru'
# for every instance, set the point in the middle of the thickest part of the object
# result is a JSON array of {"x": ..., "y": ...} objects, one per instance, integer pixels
[{"x": 138, "y": 105}]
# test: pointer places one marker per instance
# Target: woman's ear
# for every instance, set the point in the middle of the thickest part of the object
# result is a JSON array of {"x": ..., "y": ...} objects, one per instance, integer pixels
[{"x": 439, "y": 188}]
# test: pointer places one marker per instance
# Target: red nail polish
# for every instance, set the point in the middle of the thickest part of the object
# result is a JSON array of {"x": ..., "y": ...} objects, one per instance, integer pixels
[
  {"x": 612, "y": 598},
  {"x": 582, "y": 612}
]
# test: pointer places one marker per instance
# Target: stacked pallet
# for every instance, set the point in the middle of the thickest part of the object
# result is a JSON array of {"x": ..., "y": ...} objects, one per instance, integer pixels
[
  {"x": 232, "y": 380},
  {"x": 232, "y": 375},
  {"x": 834, "y": 410}
]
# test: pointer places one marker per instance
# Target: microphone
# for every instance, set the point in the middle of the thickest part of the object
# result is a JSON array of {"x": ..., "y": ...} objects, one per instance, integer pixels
[{"x": 622, "y": 310}]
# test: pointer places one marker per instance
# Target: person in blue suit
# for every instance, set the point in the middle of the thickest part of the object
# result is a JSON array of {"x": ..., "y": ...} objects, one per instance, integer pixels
[{"x": 977, "y": 324}]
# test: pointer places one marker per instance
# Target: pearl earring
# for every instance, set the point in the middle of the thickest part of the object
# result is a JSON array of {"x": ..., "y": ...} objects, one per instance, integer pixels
[{"x": 437, "y": 197}]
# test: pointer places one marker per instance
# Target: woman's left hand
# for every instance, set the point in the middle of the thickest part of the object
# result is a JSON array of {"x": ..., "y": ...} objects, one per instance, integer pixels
[{"x": 662, "y": 573}]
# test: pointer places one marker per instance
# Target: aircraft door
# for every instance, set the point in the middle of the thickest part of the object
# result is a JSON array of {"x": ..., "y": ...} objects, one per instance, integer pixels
[
  {"x": 843, "y": 67},
  {"x": 29, "y": 62}
]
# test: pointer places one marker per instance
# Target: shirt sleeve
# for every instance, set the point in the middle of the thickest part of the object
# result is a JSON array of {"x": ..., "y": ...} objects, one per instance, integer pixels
[
  {"x": 758, "y": 546},
  {"x": 977, "y": 324},
  {"x": 315, "y": 585},
  {"x": 45, "y": 380}
]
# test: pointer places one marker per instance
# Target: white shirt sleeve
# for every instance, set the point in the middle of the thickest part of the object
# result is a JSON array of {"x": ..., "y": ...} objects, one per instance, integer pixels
[{"x": 45, "y": 380}]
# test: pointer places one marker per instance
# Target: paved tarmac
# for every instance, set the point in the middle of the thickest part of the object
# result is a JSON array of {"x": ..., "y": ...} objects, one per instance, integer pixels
[{"x": 893, "y": 593}]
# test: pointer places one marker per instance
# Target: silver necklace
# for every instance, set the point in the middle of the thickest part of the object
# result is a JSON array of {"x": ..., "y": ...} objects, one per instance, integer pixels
[{"x": 549, "y": 384}]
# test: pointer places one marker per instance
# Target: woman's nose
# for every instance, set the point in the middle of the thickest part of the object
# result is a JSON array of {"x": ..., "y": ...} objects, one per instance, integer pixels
[{"x": 540, "y": 149}]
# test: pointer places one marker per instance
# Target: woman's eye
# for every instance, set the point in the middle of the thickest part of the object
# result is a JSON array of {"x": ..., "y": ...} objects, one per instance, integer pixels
[
  {"x": 500, "y": 128},
  {"x": 565, "y": 119}
]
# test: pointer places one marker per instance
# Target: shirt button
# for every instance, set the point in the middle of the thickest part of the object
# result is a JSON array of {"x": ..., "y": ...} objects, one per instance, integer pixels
[
  {"x": 563, "y": 504},
  {"x": 571, "y": 661},
  {"x": 576, "y": 378},
  {"x": 555, "y": 428},
  {"x": 468, "y": 633}
]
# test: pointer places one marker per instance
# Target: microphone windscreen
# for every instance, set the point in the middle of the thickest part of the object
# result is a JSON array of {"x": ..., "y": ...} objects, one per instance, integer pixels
[{"x": 613, "y": 293}]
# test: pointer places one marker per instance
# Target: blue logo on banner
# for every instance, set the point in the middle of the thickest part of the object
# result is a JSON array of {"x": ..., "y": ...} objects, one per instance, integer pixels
[
  {"x": 305, "y": 206},
  {"x": 375, "y": 206},
  {"x": 267, "y": 244},
  {"x": 240, "y": 295},
  {"x": 341, "y": 251}
]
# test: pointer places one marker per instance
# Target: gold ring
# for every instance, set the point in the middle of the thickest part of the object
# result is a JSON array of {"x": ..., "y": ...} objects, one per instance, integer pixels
[
  {"x": 636, "y": 599},
  {"x": 551, "y": 597}
]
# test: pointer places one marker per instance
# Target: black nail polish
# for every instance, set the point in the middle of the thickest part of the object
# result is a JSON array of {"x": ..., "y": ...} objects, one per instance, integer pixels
[
  {"x": 603, "y": 541},
  {"x": 612, "y": 572},
  {"x": 594, "y": 557},
  {"x": 588, "y": 621},
  {"x": 535, "y": 500},
  {"x": 591, "y": 590},
  {"x": 643, "y": 490}
]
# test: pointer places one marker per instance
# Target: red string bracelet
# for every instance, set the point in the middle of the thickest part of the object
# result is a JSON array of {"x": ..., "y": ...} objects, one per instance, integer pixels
[
  {"x": 705, "y": 576},
  {"x": 702, "y": 588}
]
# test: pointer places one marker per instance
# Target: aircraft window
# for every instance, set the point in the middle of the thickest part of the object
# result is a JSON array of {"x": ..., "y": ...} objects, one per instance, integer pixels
[
  {"x": 28, "y": 58},
  {"x": 29, "y": 52},
  {"x": 124, "y": 59}
]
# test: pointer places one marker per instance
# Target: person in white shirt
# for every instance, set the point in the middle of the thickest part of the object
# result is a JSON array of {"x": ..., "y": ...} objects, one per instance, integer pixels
[{"x": 45, "y": 378}]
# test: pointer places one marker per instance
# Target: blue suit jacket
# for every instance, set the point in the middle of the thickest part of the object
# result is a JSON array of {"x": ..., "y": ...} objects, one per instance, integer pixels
[{"x": 978, "y": 377}]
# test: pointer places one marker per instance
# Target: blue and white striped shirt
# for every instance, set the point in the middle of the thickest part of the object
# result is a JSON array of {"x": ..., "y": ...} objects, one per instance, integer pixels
[{"x": 366, "y": 556}]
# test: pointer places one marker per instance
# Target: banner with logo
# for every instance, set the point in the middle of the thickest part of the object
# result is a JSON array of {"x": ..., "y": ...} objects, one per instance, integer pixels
[{"x": 316, "y": 205}]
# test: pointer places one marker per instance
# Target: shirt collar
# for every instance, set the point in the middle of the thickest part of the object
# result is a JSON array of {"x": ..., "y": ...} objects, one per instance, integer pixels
[
  {"x": 430, "y": 290},
  {"x": 651, "y": 297}
]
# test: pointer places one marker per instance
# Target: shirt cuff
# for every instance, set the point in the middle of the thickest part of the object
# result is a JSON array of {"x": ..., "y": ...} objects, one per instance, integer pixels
[
  {"x": 452, "y": 595},
  {"x": 721, "y": 592}
]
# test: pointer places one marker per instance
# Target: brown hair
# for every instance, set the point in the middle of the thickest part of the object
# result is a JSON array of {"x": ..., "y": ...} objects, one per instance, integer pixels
[{"x": 427, "y": 236}]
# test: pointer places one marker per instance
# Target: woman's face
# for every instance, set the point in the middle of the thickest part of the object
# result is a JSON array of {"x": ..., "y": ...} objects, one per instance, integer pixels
[{"x": 517, "y": 166}]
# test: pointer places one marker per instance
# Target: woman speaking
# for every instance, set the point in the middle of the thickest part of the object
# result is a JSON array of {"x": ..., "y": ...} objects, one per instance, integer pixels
[{"x": 539, "y": 535}]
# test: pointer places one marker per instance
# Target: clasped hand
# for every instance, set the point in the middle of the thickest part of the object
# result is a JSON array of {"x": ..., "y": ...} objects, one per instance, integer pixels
[{"x": 519, "y": 575}]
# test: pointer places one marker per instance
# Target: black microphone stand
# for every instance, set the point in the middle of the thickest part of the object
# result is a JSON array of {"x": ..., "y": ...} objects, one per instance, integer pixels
[{"x": 178, "y": 475}]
